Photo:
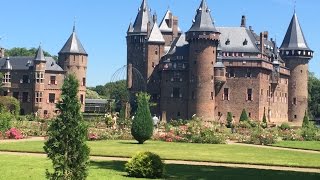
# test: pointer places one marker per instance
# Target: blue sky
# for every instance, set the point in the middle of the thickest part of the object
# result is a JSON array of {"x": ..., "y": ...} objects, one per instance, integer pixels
[{"x": 102, "y": 25}]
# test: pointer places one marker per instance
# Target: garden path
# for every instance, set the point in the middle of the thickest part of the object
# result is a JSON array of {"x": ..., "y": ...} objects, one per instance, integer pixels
[{"x": 101, "y": 158}]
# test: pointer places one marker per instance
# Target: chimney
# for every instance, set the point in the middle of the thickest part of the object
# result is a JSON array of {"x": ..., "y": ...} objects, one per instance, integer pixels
[
  {"x": 262, "y": 42},
  {"x": 265, "y": 34},
  {"x": 155, "y": 17},
  {"x": 170, "y": 20},
  {"x": 250, "y": 28},
  {"x": 175, "y": 26},
  {"x": 2, "y": 50},
  {"x": 243, "y": 21}
]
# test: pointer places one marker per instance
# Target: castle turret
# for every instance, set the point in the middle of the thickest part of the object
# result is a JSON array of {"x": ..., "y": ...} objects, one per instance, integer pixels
[
  {"x": 73, "y": 59},
  {"x": 39, "y": 67},
  {"x": 203, "y": 40},
  {"x": 6, "y": 80},
  {"x": 219, "y": 71},
  {"x": 296, "y": 54},
  {"x": 137, "y": 37}
]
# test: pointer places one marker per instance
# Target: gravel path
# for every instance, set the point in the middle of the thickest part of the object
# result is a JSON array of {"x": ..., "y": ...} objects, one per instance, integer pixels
[{"x": 101, "y": 158}]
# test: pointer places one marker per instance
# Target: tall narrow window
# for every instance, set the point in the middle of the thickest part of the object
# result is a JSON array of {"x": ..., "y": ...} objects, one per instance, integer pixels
[
  {"x": 176, "y": 92},
  {"x": 83, "y": 81},
  {"x": 39, "y": 97},
  {"x": 52, "y": 97},
  {"x": 249, "y": 95},
  {"x": 25, "y": 79},
  {"x": 25, "y": 96},
  {"x": 248, "y": 74},
  {"x": 295, "y": 101},
  {"x": 226, "y": 94},
  {"x": 53, "y": 80},
  {"x": 82, "y": 99},
  {"x": 39, "y": 77}
]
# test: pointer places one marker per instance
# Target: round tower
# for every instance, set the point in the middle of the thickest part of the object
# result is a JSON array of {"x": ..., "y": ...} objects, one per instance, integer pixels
[
  {"x": 73, "y": 59},
  {"x": 296, "y": 54},
  {"x": 137, "y": 38},
  {"x": 203, "y": 40}
]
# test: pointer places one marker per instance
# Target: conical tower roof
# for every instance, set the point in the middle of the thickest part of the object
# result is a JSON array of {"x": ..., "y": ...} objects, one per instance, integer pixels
[
  {"x": 143, "y": 18},
  {"x": 294, "y": 39},
  {"x": 130, "y": 28},
  {"x": 39, "y": 55},
  {"x": 155, "y": 35},
  {"x": 73, "y": 45},
  {"x": 7, "y": 65},
  {"x": 203, "y": 20}
]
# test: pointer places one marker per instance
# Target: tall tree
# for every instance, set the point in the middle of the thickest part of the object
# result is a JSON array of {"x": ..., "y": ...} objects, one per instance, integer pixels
[
  {"x": 66, "y": 144},
  {"x": 142, "y": 125},
  {"x": 17, "y": 51},
  {"x": 244, "y": 116},
  {"x": 314, "y": 96}
]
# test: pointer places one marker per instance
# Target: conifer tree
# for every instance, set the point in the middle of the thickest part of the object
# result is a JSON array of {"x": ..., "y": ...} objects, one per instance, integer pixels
[
  {"x": 66, "y": 144},
  {"x": 264, "y": 118},
  {"x": 229, "y": 120},
  {"x": 142, "y": 125},
  {"x": 305, "y": 122},
  {"x": 244, "y": 116}
]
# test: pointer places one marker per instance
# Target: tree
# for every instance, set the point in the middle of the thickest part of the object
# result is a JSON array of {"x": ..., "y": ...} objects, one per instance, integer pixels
[
  {"x": 264, "y": 118},
  {"x": 142, "y": 125},
  {"x": 229, "y": 120},
  {"x": 16, "y": 51},
  {"x": 305, "y": 122},
  {"x": 9, "y": 104},
  {"x": 244, "y": 116},
  {"x": 314, "y": 96},
  {"x": 66, "y": 144},
  {"x": 90, "y": 94}
]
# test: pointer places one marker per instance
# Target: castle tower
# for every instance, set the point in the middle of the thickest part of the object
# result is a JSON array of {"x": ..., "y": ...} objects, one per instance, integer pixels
[
  {"x": 203, "y": 40},
  {"x": 137, "y": 37},
  {"x": 39, "y": 67},
  {"x": 73, "y": 59},
  {"x": 296, "y": 54}
]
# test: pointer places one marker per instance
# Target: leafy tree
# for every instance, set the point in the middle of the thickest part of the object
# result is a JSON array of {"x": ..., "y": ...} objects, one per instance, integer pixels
[
  {"x": 314, "y": 96},
  {"x": 244, "y": 116},
  {"x": 16, "y": 51},
  {"x": 10, "y": 104},
  {"x": 90, "y": 94},
  {"x": 101, "y": 90},
  {"x": 305, "y": 122},
  {"x": 229, "y": 120},
  {"x": 66, "y": 144},
  {"x": 142, "y": 125}
]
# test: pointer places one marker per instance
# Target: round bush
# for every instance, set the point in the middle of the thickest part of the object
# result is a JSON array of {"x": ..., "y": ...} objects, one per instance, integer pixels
[{"x": 145, "y": 165}]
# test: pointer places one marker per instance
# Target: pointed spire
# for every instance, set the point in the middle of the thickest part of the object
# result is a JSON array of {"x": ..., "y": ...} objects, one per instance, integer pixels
[
  {"x": 155, "y": 35},
  {"x": 294, "y": 38},
  {"x": 130, "y": 28},
  {"x": 39, "y": 55},
  {"x": 203, "y": 20},
  {"x": 275, "y": 55},
  {"x": 143, "y": 18},
  {"x": 73, "y": 45},
  {"x": 7, "y": 65}
]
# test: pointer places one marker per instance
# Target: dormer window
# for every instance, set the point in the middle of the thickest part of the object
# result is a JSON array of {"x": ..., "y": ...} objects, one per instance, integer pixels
[
  {"x": 228, "y": 42},
  {"x": 245, "y": 42}
]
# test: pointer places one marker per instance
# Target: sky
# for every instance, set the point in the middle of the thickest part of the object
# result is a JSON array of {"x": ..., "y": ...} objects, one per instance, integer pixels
[{"x": 101, "y": 25}]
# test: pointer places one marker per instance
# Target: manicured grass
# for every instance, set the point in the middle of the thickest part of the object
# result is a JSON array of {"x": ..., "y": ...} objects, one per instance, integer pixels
[
  {"x": 187, "y": 151},
  {"x": 309, "y": 145},
  {"x": 33, "y": 168}
]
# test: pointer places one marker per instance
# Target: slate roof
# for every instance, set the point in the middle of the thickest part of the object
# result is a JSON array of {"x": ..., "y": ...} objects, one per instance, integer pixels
[
  {"x": 39, "y": 55},
  {"x": 203, "y": 20},
  {"x": 294, "y": 38},
  {"x": 73, "y": 45},
  {"x": 155, "y": 34},
  {"x": 143, "y": 18},
  {"x": 164, "y": 26},
  {"x": 236, "y": 37},
  {"x": 179, "y": 46},
  {"x": 25, "y": 63}
]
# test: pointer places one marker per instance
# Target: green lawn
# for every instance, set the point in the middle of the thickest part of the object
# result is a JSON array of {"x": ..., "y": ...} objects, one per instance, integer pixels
[
  {"x": 33, "y": 168},
  {"x": 187, "y": 151},
  {"x": 309, "y": 145}
]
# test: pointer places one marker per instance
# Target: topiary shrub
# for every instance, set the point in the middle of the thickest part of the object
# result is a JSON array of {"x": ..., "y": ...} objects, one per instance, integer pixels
[
  {"x": 244, "y": 116},
  {"x": 229, "y": 120},
  {"x": 309, "y": 132},
  {"x": 142, "y": 125},
  {"x": 305, "y": 122},
  {"x": 285, "y": 126},
  {"x": 264, "y": 123},
  {"x": 145, "y": 165}
]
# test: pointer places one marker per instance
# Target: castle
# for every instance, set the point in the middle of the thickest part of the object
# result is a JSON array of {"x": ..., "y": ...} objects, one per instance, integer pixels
[
  {"x": 210, "y": 71},
  {"x": 36, "y": 81}
]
